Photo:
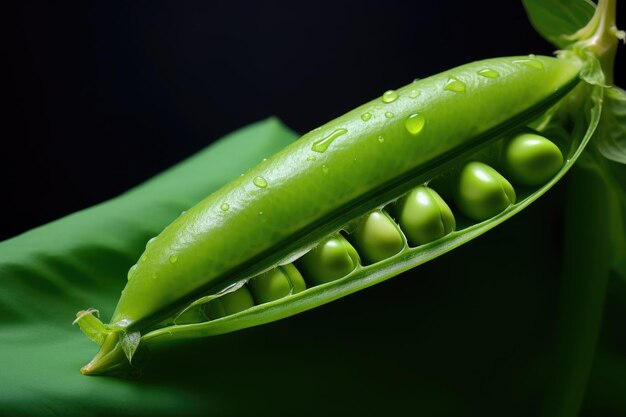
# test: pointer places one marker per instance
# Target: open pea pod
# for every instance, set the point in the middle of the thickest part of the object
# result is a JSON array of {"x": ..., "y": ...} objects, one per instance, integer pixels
[{"x": 194, "y": 278}]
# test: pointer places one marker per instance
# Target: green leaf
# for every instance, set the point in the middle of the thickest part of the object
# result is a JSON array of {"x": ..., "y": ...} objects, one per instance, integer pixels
[
  {"x": 555, "y": 19},
  {"x": 611, "y": 136},
  {"x": 592, "y": 70},
  {"x": 47, "y": 273}
]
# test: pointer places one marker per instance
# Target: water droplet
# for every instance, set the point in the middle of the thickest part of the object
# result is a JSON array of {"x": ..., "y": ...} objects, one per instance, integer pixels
[
  {"x": 381, "y": 139},
  {"x": 416, "y": 80},
  {"x": 529, "y": 62},
  {"x": 390, "y": 96},
  {"x": 224, "y": 206},
  {"x": 242, "y": 174},
  {"x": 264, "y": 160},
  {"x": 262, "y": 217},
  {"x": 324, "y": 169},
  {"x": 131, "y": 271},
  {"x": 488, "y": 73},
  {"x": 455, "y": 85},
  {"x": 415, "y": 123},
  {"x": 323, "y": 144},
  {"x": 151, "y": 241},
  {"x": 183, "y": 212},
  {"x": 260, "y": 182},
  {"x": 414, "y": 93},
  {"x": 173, "y": 259},
  {"x": 366, "y": 116},
  {"x": 311, "y": 158},
  {"x": 389, "y": 115}
]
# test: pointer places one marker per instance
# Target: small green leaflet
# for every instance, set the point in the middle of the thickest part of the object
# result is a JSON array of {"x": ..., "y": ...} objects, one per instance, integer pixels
[
  {"x": 130, "y": 342},
  {"x": 555, "y": 19},
  {"x": 611, "y": 136}
]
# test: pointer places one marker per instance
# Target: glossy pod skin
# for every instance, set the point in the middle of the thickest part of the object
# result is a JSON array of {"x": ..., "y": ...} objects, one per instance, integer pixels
[{"x": 313, "y": 188}]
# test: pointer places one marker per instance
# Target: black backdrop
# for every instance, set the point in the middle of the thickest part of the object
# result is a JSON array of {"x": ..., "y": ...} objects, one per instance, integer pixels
[{"x": 103, "y": 95}]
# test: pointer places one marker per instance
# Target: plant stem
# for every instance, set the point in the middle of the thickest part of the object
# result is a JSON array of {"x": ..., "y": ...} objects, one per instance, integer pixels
[
  {"x": 600, "y": 37},
  {"x": 585, "y": 278}
]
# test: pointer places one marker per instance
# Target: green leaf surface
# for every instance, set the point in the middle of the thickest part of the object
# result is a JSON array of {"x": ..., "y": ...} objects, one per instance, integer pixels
[
  {"x": 555, "y": 18},
  {"x": 48, "y": 273}
]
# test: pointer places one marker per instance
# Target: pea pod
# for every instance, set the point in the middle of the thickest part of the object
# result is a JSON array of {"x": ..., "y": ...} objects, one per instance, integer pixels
[{"x": 319, "y": 185}]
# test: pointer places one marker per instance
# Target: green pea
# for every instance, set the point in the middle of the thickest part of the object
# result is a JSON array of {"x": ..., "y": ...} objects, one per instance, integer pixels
[
  {"x": 332, "y": 259},
  {"x": 194, "y": 315},
  {"x": 292, "y": 273},
  {"x": 276, "y": 283},
  {"x": 424, "y": 216},
  {"x": 531, "y": 160},
  {"x": 482, "y": 192},
  {"x": 377, "y": 237},
  {"x": 230, "y": 303}
]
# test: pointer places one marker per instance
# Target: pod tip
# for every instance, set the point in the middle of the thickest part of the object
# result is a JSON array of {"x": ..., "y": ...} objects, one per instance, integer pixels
[{"x": 108, "y": 357}]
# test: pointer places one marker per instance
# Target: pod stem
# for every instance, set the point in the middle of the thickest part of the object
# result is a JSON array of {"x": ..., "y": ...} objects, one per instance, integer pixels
[{"x": 583, "y": 289}]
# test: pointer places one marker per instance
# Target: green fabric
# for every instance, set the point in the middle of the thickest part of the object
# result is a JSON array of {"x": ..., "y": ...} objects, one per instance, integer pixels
[{"x": 470, "y": 333}]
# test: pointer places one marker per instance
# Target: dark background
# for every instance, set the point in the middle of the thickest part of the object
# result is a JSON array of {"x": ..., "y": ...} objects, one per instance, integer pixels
[{"x": 103, "y": 95}]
